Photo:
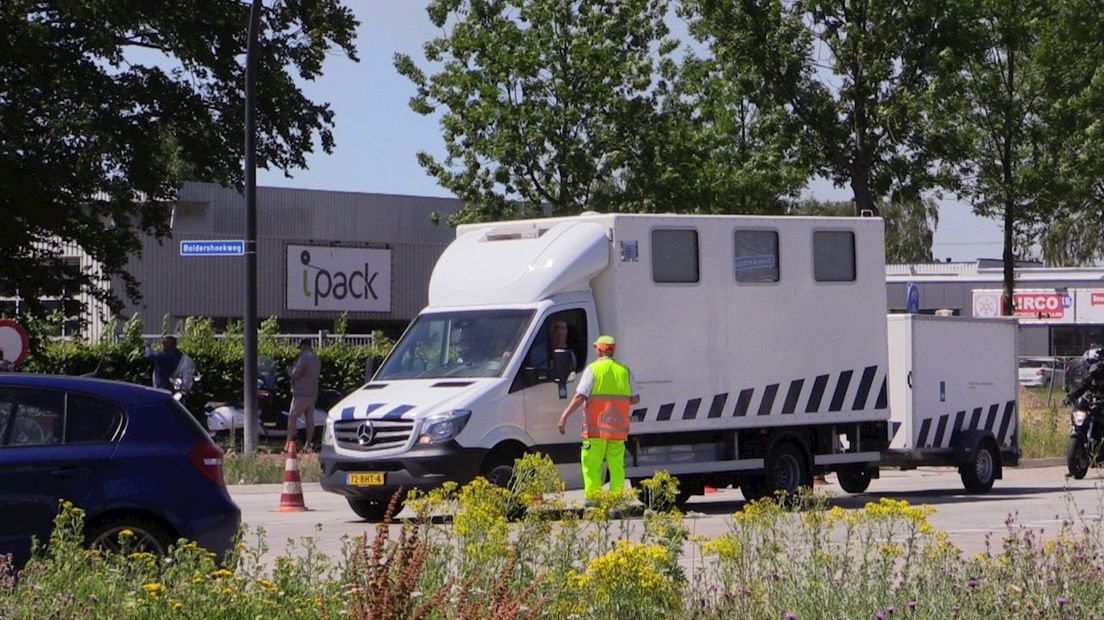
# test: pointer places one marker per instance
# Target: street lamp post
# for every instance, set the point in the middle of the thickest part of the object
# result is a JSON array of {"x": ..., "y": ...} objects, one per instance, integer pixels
[{"x": 250, "y": 328}]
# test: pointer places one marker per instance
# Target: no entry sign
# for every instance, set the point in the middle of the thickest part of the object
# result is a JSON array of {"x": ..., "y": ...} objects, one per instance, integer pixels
[{"x": 13, "y": 341}]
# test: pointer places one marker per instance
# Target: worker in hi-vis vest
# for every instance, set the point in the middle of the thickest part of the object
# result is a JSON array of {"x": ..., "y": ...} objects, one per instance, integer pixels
[{"x": 606, "y": 389}]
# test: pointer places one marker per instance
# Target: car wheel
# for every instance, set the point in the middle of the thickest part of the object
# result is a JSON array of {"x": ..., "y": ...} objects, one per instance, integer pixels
[
  {"x": 147, "y": 535},
  {"x": 979, "y": 474}
]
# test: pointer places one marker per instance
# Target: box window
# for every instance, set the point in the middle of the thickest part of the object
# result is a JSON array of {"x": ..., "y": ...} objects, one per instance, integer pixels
[
  {"x": 756, "y": 256},
  {"x": 675, "y": 256},
  {"x": 834, "y": 256}
]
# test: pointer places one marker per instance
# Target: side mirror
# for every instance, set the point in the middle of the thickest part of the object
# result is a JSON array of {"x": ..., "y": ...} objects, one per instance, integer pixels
[
  {"x": 370, "y": 366},
  {"x": 563, "y": 364}
]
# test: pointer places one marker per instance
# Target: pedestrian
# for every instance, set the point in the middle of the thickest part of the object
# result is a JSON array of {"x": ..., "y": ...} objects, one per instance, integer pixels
[
  {"x": 606, "y": 391},
  {"x": 304, "y": 392},
  {"x": 165, "y": 362}
]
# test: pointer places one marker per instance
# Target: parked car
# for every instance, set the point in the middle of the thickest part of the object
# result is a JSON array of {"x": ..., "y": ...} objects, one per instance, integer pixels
[
  {"x": 130, "y": 456},
  {"x": 1037, "y": 371}
]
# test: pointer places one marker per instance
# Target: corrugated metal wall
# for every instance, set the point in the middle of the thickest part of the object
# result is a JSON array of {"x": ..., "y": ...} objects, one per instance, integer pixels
[{"x": 212, "y": 286}]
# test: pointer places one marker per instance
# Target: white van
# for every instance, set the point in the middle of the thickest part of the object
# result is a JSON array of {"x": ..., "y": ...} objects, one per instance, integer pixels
[{"x": 758, "y": 345}]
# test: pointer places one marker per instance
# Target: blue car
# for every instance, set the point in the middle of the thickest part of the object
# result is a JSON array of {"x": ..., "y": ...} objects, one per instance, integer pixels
[{"x": 130, "y": 456}]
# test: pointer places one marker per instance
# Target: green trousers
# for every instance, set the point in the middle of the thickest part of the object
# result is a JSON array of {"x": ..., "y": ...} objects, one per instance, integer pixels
[{"x": 594, "y": 451}]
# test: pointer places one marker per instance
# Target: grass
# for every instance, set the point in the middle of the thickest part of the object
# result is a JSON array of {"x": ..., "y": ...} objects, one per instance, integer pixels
[
  {"x": 1044, "y": 429},
  {"x": 795, "y": 559},
  {"x": 267, "y": 467}
]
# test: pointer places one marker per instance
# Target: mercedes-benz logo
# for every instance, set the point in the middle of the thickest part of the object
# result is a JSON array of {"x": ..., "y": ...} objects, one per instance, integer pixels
[{"x": 365, "y": 433}]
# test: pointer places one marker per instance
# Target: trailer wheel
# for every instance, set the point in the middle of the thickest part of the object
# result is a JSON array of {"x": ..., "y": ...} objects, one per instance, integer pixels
[
  {"x": 978, "y": 475},
  {"x": 753, "y": 488},
  {"x": 854, "y": 479},
  {"x": 786, "y": 471}
]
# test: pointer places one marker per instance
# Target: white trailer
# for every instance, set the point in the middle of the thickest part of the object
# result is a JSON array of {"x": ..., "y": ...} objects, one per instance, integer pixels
[
  {"x": 954, "y": 395},
  {"x": 758, "y": 345}
]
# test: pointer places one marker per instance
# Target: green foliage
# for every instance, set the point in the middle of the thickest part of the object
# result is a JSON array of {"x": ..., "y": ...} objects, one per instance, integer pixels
[
  {"x": 218, "y": 361},
  {"x": 866, "y": 83},
  {"x": 544, "y": 103},
  {"x": 109, "y": 106}
]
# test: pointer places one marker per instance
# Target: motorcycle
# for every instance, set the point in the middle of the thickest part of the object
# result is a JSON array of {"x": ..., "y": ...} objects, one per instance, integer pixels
[
  {"x": 1086, "y": 435},
  {"x": 224, "y": 418}
]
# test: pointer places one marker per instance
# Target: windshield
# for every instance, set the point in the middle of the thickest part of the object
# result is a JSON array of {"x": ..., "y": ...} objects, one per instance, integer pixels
[{"x": 476, "y": 343}]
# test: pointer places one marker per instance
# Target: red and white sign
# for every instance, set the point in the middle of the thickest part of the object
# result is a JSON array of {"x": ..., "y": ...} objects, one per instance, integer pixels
[
  {"x": 1097, "y": 299},
  {"x": 13, "y": 341},
  {"x": 1032, "y": 306}
]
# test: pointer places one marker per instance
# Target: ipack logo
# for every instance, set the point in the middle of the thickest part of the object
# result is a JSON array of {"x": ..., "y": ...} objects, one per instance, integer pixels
[{"x": 320, "y": 283}]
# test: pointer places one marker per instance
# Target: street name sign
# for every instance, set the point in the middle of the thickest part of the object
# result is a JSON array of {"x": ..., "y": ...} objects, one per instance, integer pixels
[{"x": 216, "y": 247}]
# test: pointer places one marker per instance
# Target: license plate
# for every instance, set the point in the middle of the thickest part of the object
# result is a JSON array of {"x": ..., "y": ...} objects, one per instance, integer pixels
[{"x": 365, "y": 478}]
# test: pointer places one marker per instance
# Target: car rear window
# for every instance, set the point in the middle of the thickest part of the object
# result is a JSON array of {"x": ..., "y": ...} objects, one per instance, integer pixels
[
  {"x": 32, "y": 417},
  {"x": 90, "y": 420}
]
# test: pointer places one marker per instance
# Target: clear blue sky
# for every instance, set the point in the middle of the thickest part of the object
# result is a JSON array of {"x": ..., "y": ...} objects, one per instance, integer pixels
[{"x": 378, "y": 135}]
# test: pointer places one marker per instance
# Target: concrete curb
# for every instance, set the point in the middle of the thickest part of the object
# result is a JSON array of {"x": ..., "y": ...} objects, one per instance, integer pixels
[{"x": 1034, "y": 463}]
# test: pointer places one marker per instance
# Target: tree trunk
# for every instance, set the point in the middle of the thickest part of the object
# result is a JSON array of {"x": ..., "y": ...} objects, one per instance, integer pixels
[{"x": 1007, "y": 307}]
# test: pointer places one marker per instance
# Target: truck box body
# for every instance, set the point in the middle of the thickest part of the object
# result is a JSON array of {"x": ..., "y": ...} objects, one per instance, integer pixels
[{"x": 949, "y": 376}]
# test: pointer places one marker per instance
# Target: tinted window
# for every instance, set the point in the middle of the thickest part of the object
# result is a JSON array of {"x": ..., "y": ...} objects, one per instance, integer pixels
[
  {"x": 90, "y": 420},
  {"x": 675, "y": 256},
  {"x": 834, "y": 256},
  {"x": 34, "y": 417},
  {"x": 756, "y": 256}
]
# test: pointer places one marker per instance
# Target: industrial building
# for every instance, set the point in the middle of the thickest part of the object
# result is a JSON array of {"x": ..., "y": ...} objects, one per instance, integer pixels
[{"x": 319, "y": 254}]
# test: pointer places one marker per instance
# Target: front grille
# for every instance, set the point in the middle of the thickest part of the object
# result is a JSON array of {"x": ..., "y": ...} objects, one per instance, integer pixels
[{"x": 384, "y": 434}]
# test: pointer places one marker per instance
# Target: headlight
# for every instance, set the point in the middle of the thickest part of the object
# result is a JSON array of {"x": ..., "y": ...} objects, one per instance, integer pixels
[
  {"x": 1079, "y": 417},
  {"x": 327, "y": 433},
  {"x": 443, "y": 427}
]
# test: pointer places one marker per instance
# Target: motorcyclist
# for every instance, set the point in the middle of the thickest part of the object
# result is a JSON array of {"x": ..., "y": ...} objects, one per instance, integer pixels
[{"x": 1094, "y": 376}]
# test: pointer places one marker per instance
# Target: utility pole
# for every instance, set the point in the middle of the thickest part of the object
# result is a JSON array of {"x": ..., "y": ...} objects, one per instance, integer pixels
[{"x": 250, "y": 388}]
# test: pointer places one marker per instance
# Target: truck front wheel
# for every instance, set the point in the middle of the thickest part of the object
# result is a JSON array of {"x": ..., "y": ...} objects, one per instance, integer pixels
[
  {"x": 375, "y": 510},
  {"x": 786, "y": 471},
  {"x": 978, "y": 475}
]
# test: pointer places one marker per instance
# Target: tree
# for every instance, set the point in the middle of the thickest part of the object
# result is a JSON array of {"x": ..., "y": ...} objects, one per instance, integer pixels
[
  {"x": 1008, "y": 166},
  {"x": 909, "y": 227},
  {"x": 107, "y": 107},
  {"x": 543, "y": 101},
  {"x": 867, "y": 79},
  {"x": 1071, "y": 44}
]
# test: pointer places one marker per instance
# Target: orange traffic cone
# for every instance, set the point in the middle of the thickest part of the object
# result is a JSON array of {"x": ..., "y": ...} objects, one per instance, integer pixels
[{"x": 291, "y": 500}]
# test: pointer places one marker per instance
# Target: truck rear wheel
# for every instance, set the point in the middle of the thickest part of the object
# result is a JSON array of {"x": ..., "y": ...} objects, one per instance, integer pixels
[
  {"x": 753, "y": 488},
  {"x": 854, "y": 479},
  {"x": 786, "y": 471},
  {"x": 978, "y": 475}
]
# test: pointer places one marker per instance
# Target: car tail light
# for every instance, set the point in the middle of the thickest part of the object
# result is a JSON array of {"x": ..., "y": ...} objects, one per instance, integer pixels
[
  {"x": 1040, "y": 372},
  {"x": 207, "y": 458}
]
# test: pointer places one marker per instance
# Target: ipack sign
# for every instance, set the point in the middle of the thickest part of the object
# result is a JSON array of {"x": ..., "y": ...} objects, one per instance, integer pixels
[{"x": 338, "y": 279}]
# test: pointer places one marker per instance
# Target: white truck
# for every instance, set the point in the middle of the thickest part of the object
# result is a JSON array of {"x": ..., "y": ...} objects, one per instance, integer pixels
[{"x": 758, "y": 346}]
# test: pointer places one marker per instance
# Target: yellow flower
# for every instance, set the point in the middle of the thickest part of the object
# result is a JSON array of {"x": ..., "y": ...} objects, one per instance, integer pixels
[
  {"x": 267, "y": 585},
  {"x": 222, "y": 572},
  {"x": 127, "y": 533},
  {"x": 142, "y": 555},
  {"x": 153, "y": 588}
]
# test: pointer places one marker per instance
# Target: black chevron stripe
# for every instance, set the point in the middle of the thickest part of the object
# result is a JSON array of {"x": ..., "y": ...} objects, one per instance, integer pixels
[
  {"x": 883, "y": 399},
  {"x": 1009, "y": 408},
  {"x": 864, "y": 388},
  {"x": 638, "y": 414},
  {"x": 975, "y": 418},
  {"x": 768, "y": 399},
  {"x": 742, "y": 403},
  {"x": 938, "y": 441},
  {"x": 817, "y": 394},
  {"x": 691, "y": 410},
  {"x": 665, "y": 412},
  {"x": 957, "y": 427},
  {"x": 717, "y": 407},
  {"x": 841, "y": 390},
  {"x": 922, "y": 440},
  {"x": 792, "y": 395},
  {"x": 992, "y": 417}
]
